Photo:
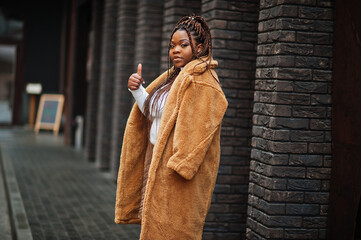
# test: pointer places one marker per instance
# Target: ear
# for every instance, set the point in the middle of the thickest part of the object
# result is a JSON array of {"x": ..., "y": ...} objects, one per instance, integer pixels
[{"x": 199, "y": 48}]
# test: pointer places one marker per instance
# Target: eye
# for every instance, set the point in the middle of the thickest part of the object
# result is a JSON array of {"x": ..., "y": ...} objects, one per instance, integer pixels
[
  {"x": 171, "y": 46},
  {"x": 184, "y": 45}
]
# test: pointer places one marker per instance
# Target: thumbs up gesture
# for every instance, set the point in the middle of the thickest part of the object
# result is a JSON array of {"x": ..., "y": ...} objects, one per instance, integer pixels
[{"x": 135, "y": 80}]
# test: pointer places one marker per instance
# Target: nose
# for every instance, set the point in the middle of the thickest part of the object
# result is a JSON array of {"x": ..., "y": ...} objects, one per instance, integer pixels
[{"x": 176, "y": 49}]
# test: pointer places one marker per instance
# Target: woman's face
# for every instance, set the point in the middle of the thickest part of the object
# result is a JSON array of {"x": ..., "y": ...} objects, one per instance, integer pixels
[{"x": 180, "y": 51}]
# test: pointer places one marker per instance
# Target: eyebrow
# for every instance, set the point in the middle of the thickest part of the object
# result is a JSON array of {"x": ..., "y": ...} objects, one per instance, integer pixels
[{"x": 182, "y": 40}]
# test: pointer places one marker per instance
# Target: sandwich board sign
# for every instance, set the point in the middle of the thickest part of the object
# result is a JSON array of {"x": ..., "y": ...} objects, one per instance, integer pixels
[{"x": 49, "y": 112}]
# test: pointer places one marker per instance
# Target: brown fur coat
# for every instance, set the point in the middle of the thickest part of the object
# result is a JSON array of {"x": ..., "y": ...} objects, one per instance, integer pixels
[{"x": 185, "y": 159}]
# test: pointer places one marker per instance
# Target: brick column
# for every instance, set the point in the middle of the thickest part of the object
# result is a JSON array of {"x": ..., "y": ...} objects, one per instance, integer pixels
[
  {"x": 149, "y": 38},
  {"x": 173, "y": 11},
  {"x": 93, "y": 74},
  {"x": 105, "y": 107},
  {"x": 127, "y": 23},
  {"x": 233, "y": 27},
  {"x": 291, "y": 155}
]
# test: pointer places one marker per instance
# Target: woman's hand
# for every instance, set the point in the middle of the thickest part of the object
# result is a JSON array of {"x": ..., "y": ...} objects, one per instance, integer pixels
[{"x": 135, "y": 80}]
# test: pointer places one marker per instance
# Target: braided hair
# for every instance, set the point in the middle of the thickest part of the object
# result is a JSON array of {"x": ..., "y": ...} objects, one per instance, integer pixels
[{"x": 198, "y": 31}]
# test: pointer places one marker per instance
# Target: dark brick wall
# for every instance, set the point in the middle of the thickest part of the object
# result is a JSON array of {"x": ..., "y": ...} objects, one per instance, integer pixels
[
  {"x": 233, "y": 27},
  {"x": 107, "y": 68},
  {"x": 93, "y": 72},
  {"x": 291, "y": 154},
  {"x": 126, "y": 25},
  {"x": 174, "y": 10}
]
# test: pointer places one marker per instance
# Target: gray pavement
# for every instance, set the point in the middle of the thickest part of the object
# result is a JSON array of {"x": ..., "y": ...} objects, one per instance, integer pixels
[{"x": 62, "y": 195}]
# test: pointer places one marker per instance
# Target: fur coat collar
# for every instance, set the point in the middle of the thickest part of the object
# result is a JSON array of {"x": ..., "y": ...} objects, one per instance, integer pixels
[{"x": 185, "y": 158}]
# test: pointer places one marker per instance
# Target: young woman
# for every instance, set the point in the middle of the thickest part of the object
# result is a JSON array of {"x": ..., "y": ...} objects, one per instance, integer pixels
[{"x": 171, "y": 146}]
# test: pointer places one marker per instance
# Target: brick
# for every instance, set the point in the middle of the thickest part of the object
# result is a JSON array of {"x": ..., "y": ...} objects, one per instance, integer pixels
[
  {"x": 276, "y": 36},
  {"x": 323, "y": 50},
  {"x": 278, "y": 11},
  {"x": 284, "y": 221},
  {"x": 315, "y": 13},
  {"x": 274, "y": 85},
  {"x": 325, "y": 185},
  {"x": 322, "y": 75},
  {"x": 218, "y": 43},
  {"x": 302, "y": 209},
  {"x": 305, "y": 160},
  {"x": 268, "y": 182},
  {"x": 318, "y": 148},
  {"x": 294, "y": 172},
  {"x": 288, "y": 147},
  {"x": 309, "y": 112},
  {"x": 230, "y": 198},
  {"x": 296, "y": 24},
  {"x": 270, "y": 232},
  {"x": 223, "y": 14},
  {"x": 248, "y": 36},
  {"x": 271, "y": 208},
  {"x": 327, "y": 160},
  {"x": 285, "y": 49},
  {"x": 307, "y": 136},
  {"x": 317, "y": 197},
  {"x": 217, "y": 23},
  {"x": 289, "y": 123},
  {"x": 273, "y": 110},
  {"x": 258, "y": 190},
  {"x": 261, "y": 120},
  {"x": 283, "y": 196},
  {"x": 320, "y": 124},
  {"x": 314, "y": 37},
  {"x": 320, "y": 99},
  {"x": 324, "y": 210},
  {"x": 324, "y": 26},
  {"x": 270, "y": 133},
  {"x": 293, "y": 73},
  {"x": 319, "y": 173},
  {"x": 292, "y": 98},
  {"x": 312, "y": 62},
  {"x": 294, "y": 49},
  {"x": 224, "y": 170},
  {"x": 299, "y": 233},
  {"x": 244, "y": 26},
  {"x": 230, "y": 179},
  {"x": 243, "y": 189},
  {"x": 225, "y": 34},
  {"x": 269, "y": 158},
  {"x": 304, "y": 185},
  {"x": 315, "y": 222},
  {"x": 225, "y": 54},
  {"x": 274, "y": 61},
  {"x": 271, "y": 3},
  {"x": 226, "y": 150}
]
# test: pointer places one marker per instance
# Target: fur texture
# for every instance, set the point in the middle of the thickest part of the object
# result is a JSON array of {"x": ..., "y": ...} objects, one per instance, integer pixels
[{"x": 185, "y": 158}]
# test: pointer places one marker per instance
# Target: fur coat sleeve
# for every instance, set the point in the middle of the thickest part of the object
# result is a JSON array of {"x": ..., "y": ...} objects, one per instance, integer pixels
[{"x": 200, "y": 114}]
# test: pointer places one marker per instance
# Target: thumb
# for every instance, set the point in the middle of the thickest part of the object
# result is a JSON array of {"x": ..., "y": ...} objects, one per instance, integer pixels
[{"x": 139, "y": 72}]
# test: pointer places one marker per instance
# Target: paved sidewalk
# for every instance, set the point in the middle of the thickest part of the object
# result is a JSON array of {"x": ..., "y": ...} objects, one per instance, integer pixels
[{"x": 64, "y": 196}]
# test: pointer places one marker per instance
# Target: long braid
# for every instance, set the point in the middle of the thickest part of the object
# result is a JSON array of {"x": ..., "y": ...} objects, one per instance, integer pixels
[{"x": 197, "y": 29}]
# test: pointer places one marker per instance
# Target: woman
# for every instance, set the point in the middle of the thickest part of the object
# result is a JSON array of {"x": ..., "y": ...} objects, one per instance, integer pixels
[{"x": 171, "y": 146}]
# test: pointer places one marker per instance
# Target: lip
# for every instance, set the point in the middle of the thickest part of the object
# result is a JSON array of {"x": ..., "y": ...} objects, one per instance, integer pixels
[{"x": 176, "y": 59}]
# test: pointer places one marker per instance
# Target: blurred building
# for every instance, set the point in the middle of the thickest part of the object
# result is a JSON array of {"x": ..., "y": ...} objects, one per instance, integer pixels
[{"x": 290, "y": 165}]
